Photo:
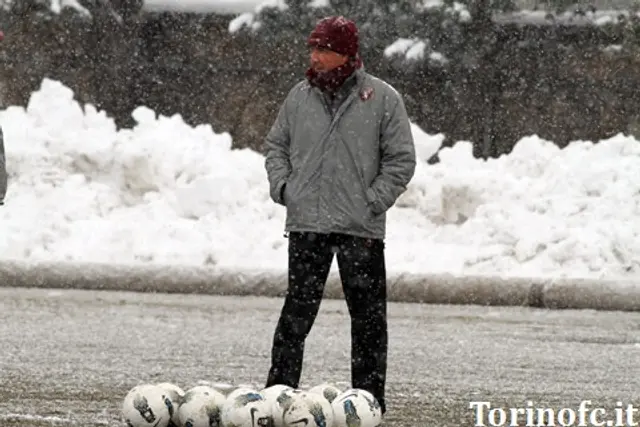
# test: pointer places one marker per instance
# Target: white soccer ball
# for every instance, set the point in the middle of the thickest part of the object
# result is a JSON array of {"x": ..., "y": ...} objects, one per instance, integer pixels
[
  {"x": 172, "y": 387},
  {"x": 201, "y": 407},
  {"x": 329, "y": 391},
  {"x": 147, "y": 405},
  {"x": 309, "y": 410},
  {"x": 175, "y": 395},
  {"x": 356, "y": 408},
  {"x": 238, "y": 391},
  {"x": 277, "y": 397},
  {"x": 246, "y": 408},
  {"x": 224, "y": 388},
  {"x": 271, "y": 393}
]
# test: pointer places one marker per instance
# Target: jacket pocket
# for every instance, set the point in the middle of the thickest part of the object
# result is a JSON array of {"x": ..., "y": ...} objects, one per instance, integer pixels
[
  {"x": 288, "y": 193},
  {"x": 296, "y": 194},
  {"x": 374, "y": 203},
  {"x": 285, "y": 193}
]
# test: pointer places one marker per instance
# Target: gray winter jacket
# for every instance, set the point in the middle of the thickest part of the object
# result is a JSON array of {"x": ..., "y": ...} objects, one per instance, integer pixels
[
  {"x": 3, "y": 169},
  {"x": 339, "y": 166}
]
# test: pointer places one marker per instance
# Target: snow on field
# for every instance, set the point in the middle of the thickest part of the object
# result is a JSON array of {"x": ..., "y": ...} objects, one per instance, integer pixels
[{"x": 165, "y": 192}]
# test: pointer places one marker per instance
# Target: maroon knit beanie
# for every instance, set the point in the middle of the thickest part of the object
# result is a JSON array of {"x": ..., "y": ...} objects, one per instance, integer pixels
[{"x": 337, "y": 34}]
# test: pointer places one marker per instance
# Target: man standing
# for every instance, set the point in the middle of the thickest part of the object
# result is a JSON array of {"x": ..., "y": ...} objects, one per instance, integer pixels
[{"x": 339, "y": 155}]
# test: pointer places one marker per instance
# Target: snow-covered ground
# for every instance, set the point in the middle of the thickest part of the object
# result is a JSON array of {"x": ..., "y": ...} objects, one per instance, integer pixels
[
  {"x": 165, "y": 192},
  {"x": 69, "y": 357}
]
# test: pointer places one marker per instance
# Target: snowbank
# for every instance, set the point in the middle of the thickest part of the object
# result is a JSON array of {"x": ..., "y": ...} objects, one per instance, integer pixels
[{"x": 164, "y": 192}]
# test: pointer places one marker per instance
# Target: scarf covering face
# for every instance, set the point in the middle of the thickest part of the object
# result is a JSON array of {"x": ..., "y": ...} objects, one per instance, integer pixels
[{"x": 332, "y": 80}]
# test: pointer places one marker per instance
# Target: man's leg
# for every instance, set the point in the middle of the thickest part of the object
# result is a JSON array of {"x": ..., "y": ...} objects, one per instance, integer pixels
[
  {"x": 310, "y": 258},
  {"x": 361, "y": 264}
]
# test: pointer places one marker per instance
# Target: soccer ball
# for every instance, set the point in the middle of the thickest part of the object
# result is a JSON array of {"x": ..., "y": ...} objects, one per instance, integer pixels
[
  {"x": 271, "y": 393},
  {"x": 330, "y": 392},
  {"x": 356, "y": 408},
  {"x": 308, "y": 409},
  {"x": 147, "y": 405},
  {"x": 175, "y": 395},
  {"x": 201, "y": 407},
  {"x": 238, "y": 391},
  {"x": 172, "y": 388},
  {"x": 278, "y": 397},
  {"x": 224, "y": 388},
  {"x": 245, "y": 407}
]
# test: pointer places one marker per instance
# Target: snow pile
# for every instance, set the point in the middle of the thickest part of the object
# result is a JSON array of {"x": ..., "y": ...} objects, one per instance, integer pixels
[
  {"x": 168, "y": 193},
  {"x": 540, "y": 211},
  {"x": 457, "y": 9},
  {"x": 57, "y": 6},
  {"x": 250, "y": 19},
  {"x": 81, "y": 190},
  {"x": 413, "y": 50},
  {"x": 226, "y": 7},
  {"x": 319, "y": 4}
]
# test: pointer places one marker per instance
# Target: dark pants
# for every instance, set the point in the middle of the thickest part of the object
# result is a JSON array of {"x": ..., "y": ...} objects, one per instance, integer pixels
[{"x": 361, "y": 263}]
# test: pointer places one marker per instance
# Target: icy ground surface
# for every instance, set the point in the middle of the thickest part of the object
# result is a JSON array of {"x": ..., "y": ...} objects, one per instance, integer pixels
[{"x": 68, "y": 357}]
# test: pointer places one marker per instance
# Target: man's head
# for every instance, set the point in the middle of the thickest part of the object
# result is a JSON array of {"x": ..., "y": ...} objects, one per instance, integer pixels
[{"x": 333, "y": 42}]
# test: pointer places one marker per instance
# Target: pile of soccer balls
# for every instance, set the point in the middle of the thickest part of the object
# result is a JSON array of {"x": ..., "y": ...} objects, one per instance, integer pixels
[{"x": 167, "y": 405}]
